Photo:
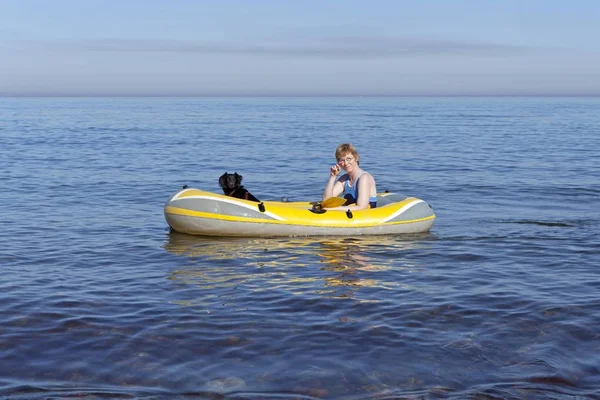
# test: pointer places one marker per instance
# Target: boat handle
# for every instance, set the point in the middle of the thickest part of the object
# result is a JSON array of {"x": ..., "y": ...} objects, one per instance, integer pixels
[
  {"x": 349, "y": 214},
  {"x": 261, "y": 207}
]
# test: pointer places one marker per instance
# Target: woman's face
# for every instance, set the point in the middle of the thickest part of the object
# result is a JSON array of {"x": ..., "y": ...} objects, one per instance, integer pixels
[{"x": 347, "y": 161}]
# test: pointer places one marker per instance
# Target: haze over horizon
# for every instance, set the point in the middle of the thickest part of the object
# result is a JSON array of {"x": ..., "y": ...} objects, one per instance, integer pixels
[{"x": 307, "y": 48}]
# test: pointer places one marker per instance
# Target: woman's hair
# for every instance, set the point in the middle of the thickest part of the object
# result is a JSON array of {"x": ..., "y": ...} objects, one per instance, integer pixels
[{"x": 345, "y": 148}]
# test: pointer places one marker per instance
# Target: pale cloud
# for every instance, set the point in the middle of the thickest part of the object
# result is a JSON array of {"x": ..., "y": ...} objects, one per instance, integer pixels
[{"x": 326, "y": 47}]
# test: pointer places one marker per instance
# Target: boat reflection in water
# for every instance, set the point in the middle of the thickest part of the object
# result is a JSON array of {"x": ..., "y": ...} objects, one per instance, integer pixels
[{"x": 330, "y": 266}]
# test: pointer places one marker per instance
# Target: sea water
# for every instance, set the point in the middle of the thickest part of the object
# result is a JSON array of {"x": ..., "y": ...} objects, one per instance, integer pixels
[{"x": 98, "y": 299}]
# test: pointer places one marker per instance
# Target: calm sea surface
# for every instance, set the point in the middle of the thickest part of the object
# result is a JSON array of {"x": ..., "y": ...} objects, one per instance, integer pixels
[{"x": 501, "y": 300}]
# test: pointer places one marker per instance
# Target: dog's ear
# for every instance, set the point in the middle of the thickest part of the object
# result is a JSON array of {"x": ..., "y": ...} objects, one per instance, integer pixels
[
  {"x": 238, "y": 178},
  {"x": 222, "y": 180}
]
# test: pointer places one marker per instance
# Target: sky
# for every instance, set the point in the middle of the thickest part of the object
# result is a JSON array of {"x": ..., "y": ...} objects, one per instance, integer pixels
[{"x": 299, "y": 48}]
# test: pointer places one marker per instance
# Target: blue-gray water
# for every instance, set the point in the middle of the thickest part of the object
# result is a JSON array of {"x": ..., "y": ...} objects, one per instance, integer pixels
[{"x": 501, "y": 300}]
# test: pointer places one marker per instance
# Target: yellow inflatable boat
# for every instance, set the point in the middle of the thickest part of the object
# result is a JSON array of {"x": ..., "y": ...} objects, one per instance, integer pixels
[{"x": 198, "y": 212}]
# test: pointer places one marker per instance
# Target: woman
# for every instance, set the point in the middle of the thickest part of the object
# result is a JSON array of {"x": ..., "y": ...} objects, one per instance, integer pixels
[{"x": 356, "y": 186}]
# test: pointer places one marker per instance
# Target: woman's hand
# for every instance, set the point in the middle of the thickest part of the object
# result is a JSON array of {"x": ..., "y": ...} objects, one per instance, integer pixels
[
  {"x": 333, "y": 187},
  {"x": 334, "y": 170}
]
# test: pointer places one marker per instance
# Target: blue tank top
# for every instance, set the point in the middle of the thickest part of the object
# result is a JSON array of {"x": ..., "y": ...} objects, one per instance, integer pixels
[{"x": 350, "y": 193}]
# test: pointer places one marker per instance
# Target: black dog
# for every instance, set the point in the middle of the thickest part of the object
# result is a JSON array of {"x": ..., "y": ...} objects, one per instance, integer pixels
[{"x": 232, "y": 186}]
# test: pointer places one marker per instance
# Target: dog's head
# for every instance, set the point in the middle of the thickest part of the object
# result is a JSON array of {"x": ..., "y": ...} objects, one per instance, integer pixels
[{"x": 229, "y": 182}]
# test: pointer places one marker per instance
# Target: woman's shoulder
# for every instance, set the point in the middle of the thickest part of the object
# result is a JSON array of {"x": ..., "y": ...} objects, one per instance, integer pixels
[{"x": 369, "y": 176}]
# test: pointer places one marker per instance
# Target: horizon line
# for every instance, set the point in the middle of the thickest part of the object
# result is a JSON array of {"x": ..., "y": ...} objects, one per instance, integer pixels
[{"x": 59, "y": 95}]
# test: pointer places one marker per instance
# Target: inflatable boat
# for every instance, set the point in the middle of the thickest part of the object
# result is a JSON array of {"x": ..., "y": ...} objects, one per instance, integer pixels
[{"x": 199, "y": 212}]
